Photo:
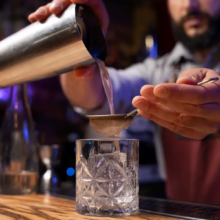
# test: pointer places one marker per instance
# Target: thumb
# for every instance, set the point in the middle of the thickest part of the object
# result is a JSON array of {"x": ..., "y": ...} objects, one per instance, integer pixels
[
  {"x": 192, "y": 76},
  {"x": 196, "y": 75},
  {"x": 186, "y": 79}
]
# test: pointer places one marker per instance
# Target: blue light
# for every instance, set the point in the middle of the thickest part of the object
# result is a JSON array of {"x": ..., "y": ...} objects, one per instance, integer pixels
[
  {"x": 74, "y": 149},
  {"x": 55, "y": 151},
  {"x": 25, "y": 131},
  {"x": 70, "y": 171},
  {"x": 5, "y": 94},
  {"x": 54, "y": 180},
  {"x": 153, "y": 52}
]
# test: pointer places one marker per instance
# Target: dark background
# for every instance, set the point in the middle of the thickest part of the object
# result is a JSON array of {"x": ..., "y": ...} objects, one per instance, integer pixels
[{"x": 55, "y": 121}]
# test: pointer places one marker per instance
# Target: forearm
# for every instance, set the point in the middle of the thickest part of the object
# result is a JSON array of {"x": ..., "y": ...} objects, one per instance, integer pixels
[{"x": 83, "y": 88}]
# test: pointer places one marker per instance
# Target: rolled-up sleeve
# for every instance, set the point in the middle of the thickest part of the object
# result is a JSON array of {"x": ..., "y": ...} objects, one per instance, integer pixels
[{"x": 126, "y": 85}]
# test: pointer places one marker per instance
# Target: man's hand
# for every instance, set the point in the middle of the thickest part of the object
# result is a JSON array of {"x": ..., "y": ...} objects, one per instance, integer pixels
[
  {"x": 57, "y": 6},
  {"x": 185, "y": 108}
]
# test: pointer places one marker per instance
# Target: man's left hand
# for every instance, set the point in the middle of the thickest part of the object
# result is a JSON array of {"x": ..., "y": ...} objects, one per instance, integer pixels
[{"x": 186, "y": 108}]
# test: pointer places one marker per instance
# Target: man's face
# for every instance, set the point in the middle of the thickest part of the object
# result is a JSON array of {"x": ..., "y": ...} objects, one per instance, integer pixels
[
  {"x": 196, "y": 22},
  {"x": 193, "y": 15}
]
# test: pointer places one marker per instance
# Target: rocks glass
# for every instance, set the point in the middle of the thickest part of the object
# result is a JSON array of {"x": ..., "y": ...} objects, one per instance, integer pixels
[{"x": 107, "y": 177}]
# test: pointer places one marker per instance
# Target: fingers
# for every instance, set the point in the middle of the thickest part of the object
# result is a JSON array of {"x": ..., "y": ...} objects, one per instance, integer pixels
[
  {"x": 40, "y": 14},
  {"x": 191, "y": 76},
  {"x": 210, "y": 111},
  {"x": 186, "y": 132},
  {"x": 195, "y": 75},
  {"x": 193, "y": 93},
  {"x": 57, "y": 6},
  {"x": 166, "y": 114},
  {"x": 199, "y": 94},
  {"x": 32, "y": 18}
]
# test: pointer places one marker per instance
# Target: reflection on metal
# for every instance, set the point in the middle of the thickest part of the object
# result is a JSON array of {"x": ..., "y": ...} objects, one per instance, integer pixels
[
  {"x": 211, "y": 80},
  {"x": 179, "y": 209}
]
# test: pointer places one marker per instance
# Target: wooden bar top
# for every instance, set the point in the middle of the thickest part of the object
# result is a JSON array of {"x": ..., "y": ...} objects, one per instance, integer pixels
[{"x": 40, "y": 207}]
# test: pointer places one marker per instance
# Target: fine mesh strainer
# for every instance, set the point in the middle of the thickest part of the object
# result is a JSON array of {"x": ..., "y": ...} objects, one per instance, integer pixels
[{"x": 109, "y": 125}]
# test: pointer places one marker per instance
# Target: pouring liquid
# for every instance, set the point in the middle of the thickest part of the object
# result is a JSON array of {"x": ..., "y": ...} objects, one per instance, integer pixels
[{"x": 106, "y": 84}]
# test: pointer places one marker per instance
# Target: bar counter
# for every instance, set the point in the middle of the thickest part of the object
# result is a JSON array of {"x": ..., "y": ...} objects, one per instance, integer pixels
[{"x": 41, "y": 207}]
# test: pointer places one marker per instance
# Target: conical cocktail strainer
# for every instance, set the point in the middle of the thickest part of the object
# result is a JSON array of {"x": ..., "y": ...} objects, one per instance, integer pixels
[{"x": 109, "y": 125}]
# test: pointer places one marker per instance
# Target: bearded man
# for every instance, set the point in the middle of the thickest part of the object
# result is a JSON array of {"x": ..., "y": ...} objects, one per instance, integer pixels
[{"x": 188, "y": 115}]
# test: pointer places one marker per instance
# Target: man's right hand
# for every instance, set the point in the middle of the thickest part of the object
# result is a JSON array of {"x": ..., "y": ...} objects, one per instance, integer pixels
[
  {"x": 82, "y": 87},
  {"x": 57, "y": 6}
]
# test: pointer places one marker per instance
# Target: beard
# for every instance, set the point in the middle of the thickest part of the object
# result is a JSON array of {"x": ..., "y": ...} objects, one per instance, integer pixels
[{"x": 202, "y": 41}]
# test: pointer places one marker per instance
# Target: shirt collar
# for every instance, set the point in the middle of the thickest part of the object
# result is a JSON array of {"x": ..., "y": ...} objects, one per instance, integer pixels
[
  {"x": 178, "y": 53},
  {"x": 213, "y": 57}
]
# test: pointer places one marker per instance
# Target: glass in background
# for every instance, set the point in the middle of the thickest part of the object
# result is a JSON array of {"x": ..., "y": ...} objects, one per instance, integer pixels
[
  {"x": 18, "y": 146},
  {"x": 50, "y": 157}
]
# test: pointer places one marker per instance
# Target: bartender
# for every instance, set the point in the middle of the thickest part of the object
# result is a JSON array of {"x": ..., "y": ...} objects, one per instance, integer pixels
[{"x": 187, "y": 115}]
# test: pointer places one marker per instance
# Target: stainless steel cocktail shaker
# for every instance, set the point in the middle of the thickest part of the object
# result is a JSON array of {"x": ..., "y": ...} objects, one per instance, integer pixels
[{"x": 57, "y": 45}]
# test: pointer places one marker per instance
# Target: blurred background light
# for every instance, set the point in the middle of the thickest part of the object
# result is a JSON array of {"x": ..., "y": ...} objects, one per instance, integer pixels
[{"x": 70, "y": 171}]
